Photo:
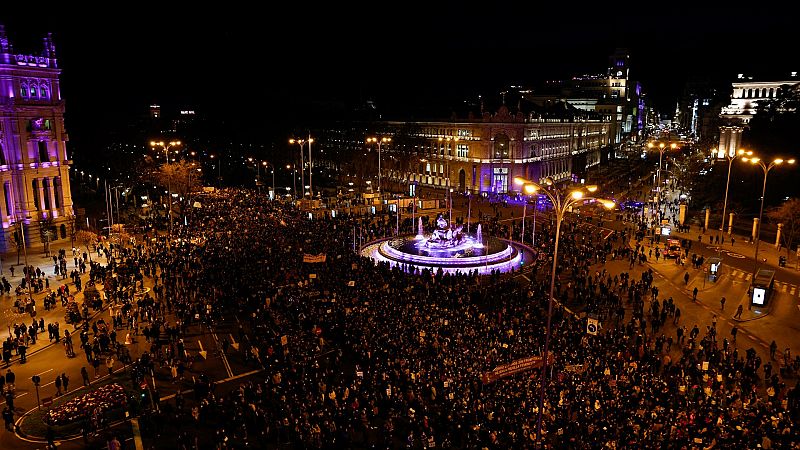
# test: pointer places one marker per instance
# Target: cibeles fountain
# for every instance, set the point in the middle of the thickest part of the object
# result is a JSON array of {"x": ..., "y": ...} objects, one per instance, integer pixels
[{"x": 451, "y": 248}]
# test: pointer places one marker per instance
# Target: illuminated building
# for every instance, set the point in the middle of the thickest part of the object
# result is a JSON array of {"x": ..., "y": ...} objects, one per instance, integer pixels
[
  {"x": 748, "y": 93},
  {"x": 34, "y": 164},
  {"x": 483, "y": 152}
]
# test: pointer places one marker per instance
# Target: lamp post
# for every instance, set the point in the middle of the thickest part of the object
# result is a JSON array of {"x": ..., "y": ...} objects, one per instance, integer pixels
[
  {"x": 166, "y": 148},
  {"x": 527, "y": 189},
  {"x": 450, "y": 222},
  {"x": 310, "y": 186},
  {"x": 294, "y": 177},
  {"x": 272, "y": 166},
  {"x": 766, "y": 168},
  {"x": 300, "y": 142},
  {"x": 28, "y": 277},
  {"x": 561, "y": 203},
  {"x": 380, "y": 141},
  {"x": 727, "y": 183},
  {"x": 219, "y": 170},
  {"x": 661, "y": 148}
]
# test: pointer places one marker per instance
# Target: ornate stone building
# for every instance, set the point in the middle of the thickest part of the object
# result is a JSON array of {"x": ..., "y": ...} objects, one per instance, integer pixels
[
  {"x": 748, "y": 93},
  {"x": 34, "y": 164},
  {"x": 484, "y": 156},
  {"x": 480, "y": 152}
]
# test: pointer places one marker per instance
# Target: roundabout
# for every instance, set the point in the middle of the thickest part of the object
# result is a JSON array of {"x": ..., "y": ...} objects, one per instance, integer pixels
[{"x": 450, "y": 249}]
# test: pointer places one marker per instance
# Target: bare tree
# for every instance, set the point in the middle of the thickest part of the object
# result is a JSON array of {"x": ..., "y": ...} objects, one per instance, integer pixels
[
  {"x": 46, "y": 234},
  {"x": 789, "y": 215},
  {"x": 87, "y": 239},
  {"x": 15, "y": 240}
]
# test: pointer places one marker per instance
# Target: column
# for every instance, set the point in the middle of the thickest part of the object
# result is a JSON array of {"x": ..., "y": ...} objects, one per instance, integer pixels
[
  {"x": 41, "y": 194},
  {"x": 755, "y": 229},
  {"x": 730, "y": 224},
  {"x": 4, "y": 205},
  {"x": 51, "y": 186},
  {"x": 708, "y": 214},
  {"x": 66, "y": 193},
  {"x": 778, "y": 236}
]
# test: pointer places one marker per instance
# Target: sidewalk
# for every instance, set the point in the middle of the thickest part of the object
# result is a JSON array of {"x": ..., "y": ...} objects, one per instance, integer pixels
[{"x": 8, "y": 314}]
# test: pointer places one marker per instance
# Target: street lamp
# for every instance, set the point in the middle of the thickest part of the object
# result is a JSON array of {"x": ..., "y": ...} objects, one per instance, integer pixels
[
  {"x": 561, "y": 203},
  {"x": 294, "y": 177},
  {"x": 219, "y": 170},
  {"x": 301, "y": 142},
  {"x": 661, "y": 148},
  {"x": 766, "y": 168},
  {"x": 265, "y": 163},
  {"x": 727, "y": 183},
  {"x": 380, "y": 141},
  {"x": 166, "y": 148},
  {"x": 528, "y": 189}
]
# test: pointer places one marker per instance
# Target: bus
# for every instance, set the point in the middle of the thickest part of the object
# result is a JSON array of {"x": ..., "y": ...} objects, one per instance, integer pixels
[{"x": 673, "y": 248}]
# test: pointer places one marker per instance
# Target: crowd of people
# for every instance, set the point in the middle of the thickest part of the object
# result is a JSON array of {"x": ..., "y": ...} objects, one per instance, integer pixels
[{"x": 358, "y": 355}]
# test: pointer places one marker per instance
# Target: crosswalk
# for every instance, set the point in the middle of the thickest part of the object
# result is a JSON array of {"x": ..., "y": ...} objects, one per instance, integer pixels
[{"x": 780, "y": 286}]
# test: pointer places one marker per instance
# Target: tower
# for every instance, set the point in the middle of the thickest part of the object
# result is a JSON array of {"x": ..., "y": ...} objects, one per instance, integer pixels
[
  {"x": 618, "y": 64},
  {"x": 35, "y": 195}
]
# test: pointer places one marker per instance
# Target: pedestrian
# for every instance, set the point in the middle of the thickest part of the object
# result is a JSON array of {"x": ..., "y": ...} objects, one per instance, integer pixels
[
  {"x": 114, "y": 444},
  {"x": 686, "y": 278},
  {"x": 51, "y": 438},
  {"x": 734, "y": 332},
  {"x": 110, "y": 364},
  {"x": 85, "y": 376},
  {"x": 8, "y": 417},
  {"x": 58, "y": 385},
  {"x": 773, "y": 347},
  {"x": 739, "y": 311},
  {"x": 722, "y": 304},
  {"x": 65, "y": 381},
  {"x": 694, "y": 294}
]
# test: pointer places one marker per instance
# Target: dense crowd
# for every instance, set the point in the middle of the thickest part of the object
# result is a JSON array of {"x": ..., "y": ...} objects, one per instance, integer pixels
[{"x": 361, "y": 355}]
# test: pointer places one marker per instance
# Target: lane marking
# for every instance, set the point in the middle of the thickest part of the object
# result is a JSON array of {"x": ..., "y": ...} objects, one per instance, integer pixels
[
  {"x": 224, "y": 357},
  {"x": 42, "y": 373}
]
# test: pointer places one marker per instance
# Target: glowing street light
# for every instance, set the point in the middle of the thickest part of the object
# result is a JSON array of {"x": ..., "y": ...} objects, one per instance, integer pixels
[
  {"x": 765, "y": 168},
  {"x": 561, "y": 204},
  {"x": 380, "y": 141},
  {"x": 166, "y": 148}
]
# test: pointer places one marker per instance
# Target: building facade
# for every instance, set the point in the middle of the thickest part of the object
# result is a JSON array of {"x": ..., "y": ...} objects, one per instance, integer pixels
[
  {"x": 747, "y": 94},
  {"x": 480, "y": 154},
  {"x": 34, "y": 163}
]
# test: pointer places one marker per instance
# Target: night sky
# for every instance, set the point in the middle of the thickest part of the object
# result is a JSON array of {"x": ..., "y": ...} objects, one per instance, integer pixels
[{"x": 270, "y": 68}]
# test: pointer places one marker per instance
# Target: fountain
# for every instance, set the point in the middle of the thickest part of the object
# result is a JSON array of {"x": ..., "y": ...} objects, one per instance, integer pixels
[{"x": 449, "y": 248}]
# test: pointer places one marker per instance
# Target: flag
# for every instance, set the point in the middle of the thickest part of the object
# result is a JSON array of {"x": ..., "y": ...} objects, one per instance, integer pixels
[{"x": 309, "y": 258}]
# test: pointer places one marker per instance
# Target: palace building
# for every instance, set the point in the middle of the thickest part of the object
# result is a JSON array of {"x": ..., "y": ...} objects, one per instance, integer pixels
[
  {"x": 481, "y": 152},
  {"x": 747, "y": 94},
  {"x": 34, "y": 163}
]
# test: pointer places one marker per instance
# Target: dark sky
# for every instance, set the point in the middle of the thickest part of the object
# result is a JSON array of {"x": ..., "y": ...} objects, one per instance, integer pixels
[{"x": 262, "y": 66}]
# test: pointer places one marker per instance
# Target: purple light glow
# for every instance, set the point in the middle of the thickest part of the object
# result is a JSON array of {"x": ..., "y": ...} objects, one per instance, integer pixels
[{"x": 511, "y": 256}]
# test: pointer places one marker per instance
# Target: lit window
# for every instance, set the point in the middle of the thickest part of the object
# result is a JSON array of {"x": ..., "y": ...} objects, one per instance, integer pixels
[
  {"x": 33, "y": 92},
  {"x": 462, "y": 150},
  {"x": 43, "y": 92},
  {"x": 23, "y": 90}
]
